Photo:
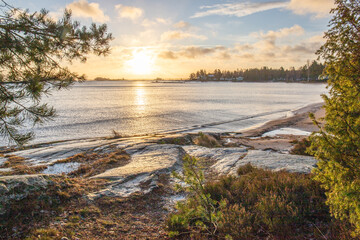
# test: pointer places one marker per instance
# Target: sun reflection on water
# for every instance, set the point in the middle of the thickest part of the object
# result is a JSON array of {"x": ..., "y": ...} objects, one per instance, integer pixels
[{"x": 140, "y": 97}]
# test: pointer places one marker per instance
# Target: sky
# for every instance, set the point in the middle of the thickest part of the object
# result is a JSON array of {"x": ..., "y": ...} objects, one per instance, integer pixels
[{"x": 171, "y": 38}]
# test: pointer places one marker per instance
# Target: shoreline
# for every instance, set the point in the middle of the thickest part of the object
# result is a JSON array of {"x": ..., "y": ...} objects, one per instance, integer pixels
[
  {"x": 299, "y": 120},
  {"x": 134, "y": 174}
]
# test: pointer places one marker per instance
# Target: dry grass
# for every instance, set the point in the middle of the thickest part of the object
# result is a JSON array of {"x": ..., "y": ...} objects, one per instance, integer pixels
[
  {"x": 206, "y": 140},
  {"x": 40, "y": 207},
  {"x": 181, "y": 140},
  {"x": 66, "y": 213},
  {"x": 80, "y": 157},
  {"x": 262, "y": 204},
  {"x": 12, "y": 161},
  {"x": 18, "y": 166},
  {"x": 23, "y": 169},
  {"x": 94, "y": 164}
]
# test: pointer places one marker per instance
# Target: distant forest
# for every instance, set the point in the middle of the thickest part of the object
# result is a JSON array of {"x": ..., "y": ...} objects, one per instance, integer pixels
[{"x": 309, "y": 72}]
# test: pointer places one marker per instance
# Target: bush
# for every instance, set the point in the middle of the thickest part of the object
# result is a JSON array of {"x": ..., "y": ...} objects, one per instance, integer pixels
[
  {"x": 199, "y": 212},
  {"x": 258, "y": 204},
  {"x": 337, "y": 144}
]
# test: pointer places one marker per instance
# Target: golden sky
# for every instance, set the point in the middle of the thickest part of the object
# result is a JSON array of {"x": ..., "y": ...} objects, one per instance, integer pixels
[{"x": 171, "y": 38}]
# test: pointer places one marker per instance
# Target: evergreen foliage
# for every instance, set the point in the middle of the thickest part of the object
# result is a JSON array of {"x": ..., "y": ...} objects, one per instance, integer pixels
[
  {"x": 32, "y": 48},
  {"x": 337, "y": 145},
  {"x": 308, "y": 72}
]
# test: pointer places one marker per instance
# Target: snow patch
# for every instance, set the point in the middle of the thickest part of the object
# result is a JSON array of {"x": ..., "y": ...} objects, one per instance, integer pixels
[{"x": 286, "y": 131}]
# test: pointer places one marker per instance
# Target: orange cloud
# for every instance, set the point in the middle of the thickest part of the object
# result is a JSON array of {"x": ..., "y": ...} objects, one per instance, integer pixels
[
  {"x": 320, "y": 8},
  {"x": 178, "y": 35},
  {"x": 84, "y": 9},
  {"x": 182, "y": 24},
  {"x": 129, "y": 12}
]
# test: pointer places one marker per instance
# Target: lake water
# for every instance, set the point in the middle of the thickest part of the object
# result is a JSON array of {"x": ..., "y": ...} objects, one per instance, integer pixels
[{"x": 95, "y": 109}]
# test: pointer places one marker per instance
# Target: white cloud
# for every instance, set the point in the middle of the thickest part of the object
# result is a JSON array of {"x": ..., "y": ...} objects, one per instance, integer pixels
[
  {"x": 129, "y": 12},
  {"x": 238, "y": 9},
  {"x": 320, "y": 8},
  {"x": 178, "y": 35},
  {"x": 162, "y": 20},
  {"x": 268, "y": 40},
  {"x": 84, "y": 9}
]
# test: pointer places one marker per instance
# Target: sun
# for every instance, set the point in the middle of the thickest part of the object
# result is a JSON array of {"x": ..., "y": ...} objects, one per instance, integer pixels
[{"x": 142, "y": 62}]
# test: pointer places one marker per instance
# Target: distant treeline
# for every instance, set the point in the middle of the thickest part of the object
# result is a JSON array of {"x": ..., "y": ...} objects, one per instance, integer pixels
[
  {"x": 308, "y": 72},
  {"x": 107, "y": 79}
]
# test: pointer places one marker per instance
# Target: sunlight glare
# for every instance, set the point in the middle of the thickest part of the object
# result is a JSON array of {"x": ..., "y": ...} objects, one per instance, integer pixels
[{"x": 142, "y": 62}]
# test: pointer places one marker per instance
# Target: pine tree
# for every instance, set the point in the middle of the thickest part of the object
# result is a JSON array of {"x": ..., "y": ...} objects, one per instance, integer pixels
[
  {"x": 337, "y": 145},
  {"x": 32, "y": 47}
]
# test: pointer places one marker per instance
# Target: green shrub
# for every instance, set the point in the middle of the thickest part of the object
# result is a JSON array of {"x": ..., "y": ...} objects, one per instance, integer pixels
[
  {"x": 301, "y": 146},
  {"x": 337, "y": 145},
  {"x": 199, "y": 211},
  {"x": 258, "y": 204}
]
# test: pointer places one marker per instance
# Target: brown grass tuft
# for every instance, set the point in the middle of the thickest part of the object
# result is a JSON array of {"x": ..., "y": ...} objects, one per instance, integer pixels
[{"x": 206, "y": 140}]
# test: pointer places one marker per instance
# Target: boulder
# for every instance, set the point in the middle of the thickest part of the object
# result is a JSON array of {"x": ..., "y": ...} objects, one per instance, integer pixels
[{"x": 15, "y": 188}]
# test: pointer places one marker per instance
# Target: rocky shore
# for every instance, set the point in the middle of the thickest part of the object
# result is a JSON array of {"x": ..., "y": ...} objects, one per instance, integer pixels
[{"x": 123, "y": 186}]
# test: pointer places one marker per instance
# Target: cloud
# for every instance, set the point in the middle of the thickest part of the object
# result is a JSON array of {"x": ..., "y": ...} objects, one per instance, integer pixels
[
  {"x": 247, "y": 56},
  {"x": 283, "y": 32},
  {"x": 162, "y": 20},
  {"x": 243, "y": 47},
  {"x": 225, "y": 56},
  {"x": 268, "y": 40},
  {"x": 148, "y": 23},
  {"x": 303, "y": 48},
  {"x": 238, "y": 9},
  {"x": 167, "y": 55},
  {"x": 192, "y": 52},
  {"x": 178, "y": 35},
  {"x": 182, "y": 25},
  {"x": 84, "y": 9},
  {"x": 320, "y": 8},
  {"x": 129, "y": 12}
]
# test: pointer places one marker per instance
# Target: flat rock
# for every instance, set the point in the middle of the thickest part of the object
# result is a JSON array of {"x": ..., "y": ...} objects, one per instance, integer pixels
[
  {"x": 277, "y": 161},
  {"x": 52, "y": 152},
  {"x": 226, "y": 159},
  {"x": 141, "y": 175},
  {"x": 147, "y": 159}
]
